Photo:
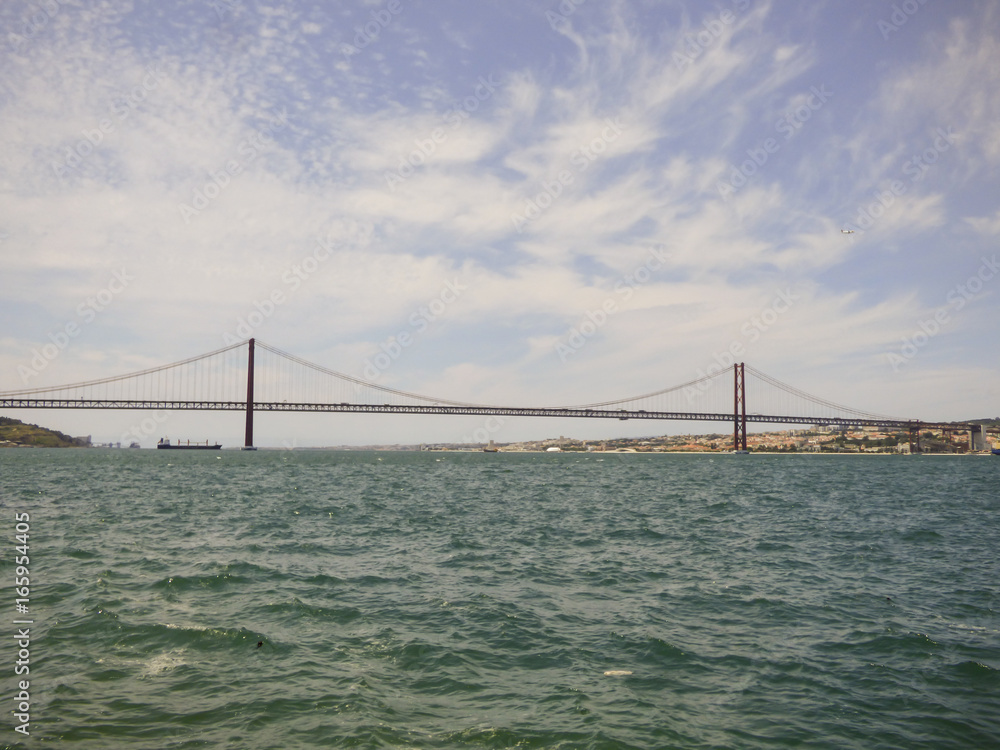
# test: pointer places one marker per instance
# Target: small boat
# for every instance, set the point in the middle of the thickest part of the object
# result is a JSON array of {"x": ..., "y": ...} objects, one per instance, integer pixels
[
  {"x": 206, "y": 446},
  {"x": 995, "y": 451},
  {"x": 491, "y": 448}
]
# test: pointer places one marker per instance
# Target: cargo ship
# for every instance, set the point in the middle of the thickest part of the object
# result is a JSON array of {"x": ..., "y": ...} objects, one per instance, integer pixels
[{"x": 206, "y": 446}]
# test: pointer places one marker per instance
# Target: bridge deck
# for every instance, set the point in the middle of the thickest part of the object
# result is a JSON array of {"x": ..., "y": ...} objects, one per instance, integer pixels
[{"x": 505, "y": 411}]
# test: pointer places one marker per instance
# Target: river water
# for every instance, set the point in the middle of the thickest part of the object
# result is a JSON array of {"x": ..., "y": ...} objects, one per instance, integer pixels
[{"x": 311, "y": 599}]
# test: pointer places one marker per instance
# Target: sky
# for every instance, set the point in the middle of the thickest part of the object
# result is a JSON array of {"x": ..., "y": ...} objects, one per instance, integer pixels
[{"x": 548, "y": 202}]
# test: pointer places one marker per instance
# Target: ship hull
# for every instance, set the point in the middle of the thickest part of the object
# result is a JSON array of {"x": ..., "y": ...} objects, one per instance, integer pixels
[{"x": 167, "y": 446}]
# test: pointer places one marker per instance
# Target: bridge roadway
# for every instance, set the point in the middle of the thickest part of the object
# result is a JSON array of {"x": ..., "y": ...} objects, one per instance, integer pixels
[{"x": 501, "y": 411}]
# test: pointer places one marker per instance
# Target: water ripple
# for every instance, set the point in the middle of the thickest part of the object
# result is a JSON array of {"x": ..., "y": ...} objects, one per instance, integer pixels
[{"x": 310, "y": 599}]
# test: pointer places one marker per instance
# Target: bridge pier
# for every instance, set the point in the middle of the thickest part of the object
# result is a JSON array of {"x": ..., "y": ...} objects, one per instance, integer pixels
[
  {"x": 248, "y": 437},
  {"x": 739, "y": 410},
  {"x": 977, "y": 438}
]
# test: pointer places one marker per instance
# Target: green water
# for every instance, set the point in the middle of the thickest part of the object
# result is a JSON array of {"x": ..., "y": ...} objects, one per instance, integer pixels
[{"x": 478, "y": 600}]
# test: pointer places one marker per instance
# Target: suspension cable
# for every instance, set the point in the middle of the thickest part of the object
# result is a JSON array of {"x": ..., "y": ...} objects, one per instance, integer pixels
[
  {"x": 815, "y": 399},
  {"x": 358, "y": 381},
  {"x": 116, "y": 378}
]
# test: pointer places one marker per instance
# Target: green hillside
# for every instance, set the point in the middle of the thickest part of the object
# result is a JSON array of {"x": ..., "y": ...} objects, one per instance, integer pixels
[{"x": 14, "y": 432}]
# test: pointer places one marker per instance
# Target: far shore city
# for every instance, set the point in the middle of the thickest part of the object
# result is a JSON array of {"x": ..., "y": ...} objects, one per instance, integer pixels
[{"x": 810, "y": 440}]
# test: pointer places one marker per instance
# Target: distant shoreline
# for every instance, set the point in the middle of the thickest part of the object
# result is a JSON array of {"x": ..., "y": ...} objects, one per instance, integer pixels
[{"x": 393, "y": 449}]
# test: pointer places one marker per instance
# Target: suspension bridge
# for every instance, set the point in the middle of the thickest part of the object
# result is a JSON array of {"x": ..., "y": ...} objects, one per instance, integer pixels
[{"x": 252, "y": 376}]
